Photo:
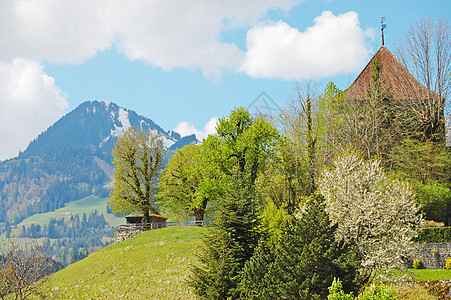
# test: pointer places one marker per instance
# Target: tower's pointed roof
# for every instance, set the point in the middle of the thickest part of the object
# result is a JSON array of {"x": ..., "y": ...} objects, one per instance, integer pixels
[{"x": 397, "y": 79}]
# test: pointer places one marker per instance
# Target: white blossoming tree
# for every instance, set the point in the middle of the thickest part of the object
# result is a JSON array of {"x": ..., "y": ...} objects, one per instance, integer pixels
[{"x": 376, "y": 213}]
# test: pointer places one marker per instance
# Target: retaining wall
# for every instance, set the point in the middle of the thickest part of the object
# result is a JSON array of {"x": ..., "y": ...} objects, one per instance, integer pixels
[
  {"x": 434, "y": 255},
  {"x": 122, "y": 235}
]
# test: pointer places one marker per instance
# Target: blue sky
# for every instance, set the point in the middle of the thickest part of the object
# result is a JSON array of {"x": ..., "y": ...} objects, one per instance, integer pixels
[{"x": 181, "y": 63}]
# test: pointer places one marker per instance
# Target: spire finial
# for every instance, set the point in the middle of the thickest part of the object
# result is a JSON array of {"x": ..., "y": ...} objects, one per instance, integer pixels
[{"x": 383, "y": 26}]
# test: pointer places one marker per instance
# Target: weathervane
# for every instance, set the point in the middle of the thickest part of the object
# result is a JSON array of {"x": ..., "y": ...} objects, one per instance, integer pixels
[{"x": 383, "y": 26}]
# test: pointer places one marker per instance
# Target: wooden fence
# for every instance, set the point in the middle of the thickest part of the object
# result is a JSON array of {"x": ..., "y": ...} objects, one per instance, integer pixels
[{"x": 155, "y": 225}]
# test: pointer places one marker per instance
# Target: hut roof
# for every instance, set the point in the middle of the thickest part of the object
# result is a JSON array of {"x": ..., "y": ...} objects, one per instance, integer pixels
[
  {"x": 399, "y": 82},
  {"x": 136, "y": 215}
]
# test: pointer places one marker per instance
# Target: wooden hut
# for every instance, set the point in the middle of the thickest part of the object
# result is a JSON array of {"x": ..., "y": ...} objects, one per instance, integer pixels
[{"x": 136, "y": 219}]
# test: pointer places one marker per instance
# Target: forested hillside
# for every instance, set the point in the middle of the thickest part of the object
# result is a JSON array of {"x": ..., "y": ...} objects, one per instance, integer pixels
[{"x": 69, "y": 161}]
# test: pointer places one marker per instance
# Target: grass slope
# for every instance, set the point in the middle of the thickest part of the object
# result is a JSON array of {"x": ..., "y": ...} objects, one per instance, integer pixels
[
  {"x": 152, "y": 265},
  {"x": 431, "y": 274},
  {"x": 84, "y": 205}
]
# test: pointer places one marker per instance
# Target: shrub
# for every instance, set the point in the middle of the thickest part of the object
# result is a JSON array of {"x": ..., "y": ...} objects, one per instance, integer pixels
[
  {"x": 434, "y": 235},
  {"x": 448, "y": 263},
  {"x": 381, "y": 292},
  {"x": 336, "y": 292},
  {"x": 433, "y": 197},
  {"x": 417, "y": 264},
  {"x": 372, "y": 292}
]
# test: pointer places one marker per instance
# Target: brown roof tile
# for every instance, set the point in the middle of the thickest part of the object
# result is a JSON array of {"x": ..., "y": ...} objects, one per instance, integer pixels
[{"x": 398, "y": 80}]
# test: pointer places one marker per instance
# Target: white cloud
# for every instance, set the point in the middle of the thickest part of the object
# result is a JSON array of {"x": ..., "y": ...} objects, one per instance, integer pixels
[
  {"x": 30, "y": 102},
  {"x": 186, "y": 34},
  {"x": 167, "y": 34},
  {"x": 184, "y": 128},
  {"x": 333, "y": 45},
  {"x": 68, "y": 31}
]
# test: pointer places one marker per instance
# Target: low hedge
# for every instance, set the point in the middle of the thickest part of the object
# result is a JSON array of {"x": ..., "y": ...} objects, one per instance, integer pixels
[{"x": 434, "y": 235}]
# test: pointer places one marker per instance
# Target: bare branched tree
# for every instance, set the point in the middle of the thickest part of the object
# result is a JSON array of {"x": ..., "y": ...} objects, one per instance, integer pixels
[
  {"x": 23, "y": 270},
  {"x": 361, "y": 115},
  {"x": 426, "y": 53},
  {"x": 302, "y": 122}
]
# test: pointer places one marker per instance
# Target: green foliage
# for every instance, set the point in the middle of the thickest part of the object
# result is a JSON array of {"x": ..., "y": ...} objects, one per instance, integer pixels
[
  {"x": 287, "y": 179},
  {"x": 137, "y": 159},
  {"x": 336, "y": 292},
  {"x": 434, "y": 235},
  {"x": 228, "y": 245},
  {"x": 188, "y": 183},
  {"x": 433, "y": 197},
  {"x": 372, "y": 292},
  {"x": 424, "y": 162},
  {"x": 272, "y": 219},
  {"x": 417, "y": 264},
  {"x": 303, "y": 261},
  {"x": 380, "y": 292},
  {"x": 240, "y": 151},
  {"x": 243, "y": 144}
]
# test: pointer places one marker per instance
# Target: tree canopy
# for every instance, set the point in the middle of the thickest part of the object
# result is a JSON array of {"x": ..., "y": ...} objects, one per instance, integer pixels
[
  {"x": 188, "y": 183},
  {"x": 137, "y": 159},
  {"x": 372, "y": 211}
]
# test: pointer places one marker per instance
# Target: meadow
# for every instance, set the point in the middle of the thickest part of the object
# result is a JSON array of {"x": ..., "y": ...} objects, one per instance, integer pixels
[{"x": 152, "y": 265}]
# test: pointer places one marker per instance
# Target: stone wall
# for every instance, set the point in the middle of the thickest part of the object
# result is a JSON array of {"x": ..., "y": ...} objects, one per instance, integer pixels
[
  {"x": 434, "y": 255},
  {"x": 122, "y": 235}
]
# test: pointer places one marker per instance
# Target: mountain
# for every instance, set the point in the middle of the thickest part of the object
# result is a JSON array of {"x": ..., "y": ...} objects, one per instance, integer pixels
[{"x": 70, "y": 160}]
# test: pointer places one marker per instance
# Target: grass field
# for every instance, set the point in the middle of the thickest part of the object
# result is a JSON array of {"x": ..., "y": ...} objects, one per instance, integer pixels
[
  {"x": 152, "y": 265},
  {"x": 432, "y": 274},
  {"x": 84, "y": 205}
]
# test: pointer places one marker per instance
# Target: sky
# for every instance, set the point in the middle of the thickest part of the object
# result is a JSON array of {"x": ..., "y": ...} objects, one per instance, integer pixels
[{"x": 183, "y": 64}]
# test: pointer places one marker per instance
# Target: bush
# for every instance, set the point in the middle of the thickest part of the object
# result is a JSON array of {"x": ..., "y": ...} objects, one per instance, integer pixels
[
  {"x": 381, "y": 292},
  {"x": 433, "y": 197},
  {"x": 372, "y": 292},
  {"x": 434, "y": 235},
  {"x": 336, "y": 292},
  {"x": 417, "y": 264},
  {"x": 448, "y": 263}
]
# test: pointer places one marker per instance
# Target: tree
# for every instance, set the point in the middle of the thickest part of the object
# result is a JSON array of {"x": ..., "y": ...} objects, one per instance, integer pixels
[
  {"x": 375, "y": 213},
  {"x": 23, "y": 270},
  {"x": 240, "y": 151},
  {"x": 303, "y": 123},
  {"x": 287, "y": 179},
  {"x": 304, "y": 260},
  {"x": 244, "y": 144},
  {"x": 428, "y": 167},
  {"x": 137, "y": 160},
  {"x": 426, "y": 53},
  {"x": 229, "y": 244},
  {"x": 188, "y": 182}
]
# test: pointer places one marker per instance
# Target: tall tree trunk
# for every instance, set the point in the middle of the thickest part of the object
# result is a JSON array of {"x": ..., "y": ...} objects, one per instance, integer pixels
[{"x": 146, "y": 217}]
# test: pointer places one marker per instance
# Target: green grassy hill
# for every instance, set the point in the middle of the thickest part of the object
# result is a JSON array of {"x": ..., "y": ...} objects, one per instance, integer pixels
[
  {"x": 152, "y": 265},
  {"x": 84, "y": 205}
]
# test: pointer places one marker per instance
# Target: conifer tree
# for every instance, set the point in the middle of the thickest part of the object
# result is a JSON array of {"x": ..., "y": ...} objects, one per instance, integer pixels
[
  {"x": 228, "y": 245},
  {"x": 303, "y": 262}
]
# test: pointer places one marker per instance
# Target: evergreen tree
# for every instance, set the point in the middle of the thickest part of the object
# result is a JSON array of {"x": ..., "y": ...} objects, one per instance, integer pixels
[
  {"x": 303, "y": 262},
  {"x": 228, "y": 245}
]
